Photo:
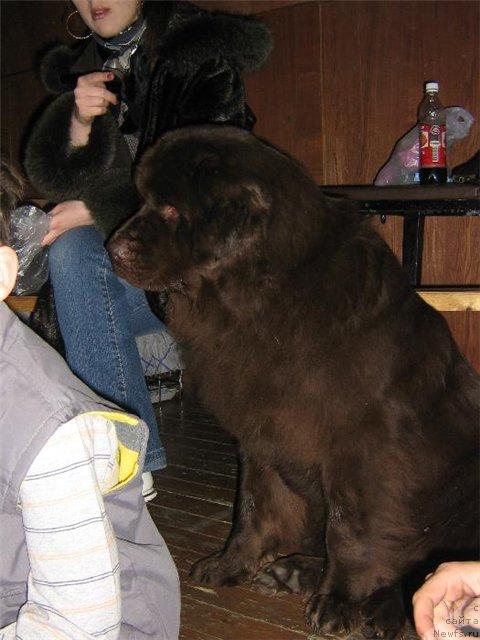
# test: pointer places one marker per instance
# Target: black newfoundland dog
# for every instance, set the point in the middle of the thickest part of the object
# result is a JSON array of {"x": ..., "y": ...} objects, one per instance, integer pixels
[{"x": 356, "y": 416}]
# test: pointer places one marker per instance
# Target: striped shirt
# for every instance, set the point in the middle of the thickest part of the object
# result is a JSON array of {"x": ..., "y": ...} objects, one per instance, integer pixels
[{"x": 74, "y": 582}]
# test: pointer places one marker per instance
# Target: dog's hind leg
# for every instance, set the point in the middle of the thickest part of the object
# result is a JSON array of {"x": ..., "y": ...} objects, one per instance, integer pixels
[{"x": 269, "y": 519}]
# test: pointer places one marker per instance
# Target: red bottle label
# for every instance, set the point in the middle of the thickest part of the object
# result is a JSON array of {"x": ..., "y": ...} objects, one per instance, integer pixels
[{"x": 432, "y": 146}]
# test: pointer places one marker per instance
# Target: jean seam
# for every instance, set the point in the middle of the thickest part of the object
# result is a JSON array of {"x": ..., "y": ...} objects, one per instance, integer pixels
[
  {"x": 76, "y": 328},
  {"x": 112, "y": 329}
]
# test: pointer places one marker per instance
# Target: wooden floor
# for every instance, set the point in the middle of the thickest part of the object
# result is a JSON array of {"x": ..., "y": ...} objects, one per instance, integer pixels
[{"x": 193, "y": 512}]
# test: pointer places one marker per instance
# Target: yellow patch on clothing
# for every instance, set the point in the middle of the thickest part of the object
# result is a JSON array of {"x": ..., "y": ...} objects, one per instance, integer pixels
[
  {"x": 127, "y": 458},
  {"x": 115, "y": 415}
]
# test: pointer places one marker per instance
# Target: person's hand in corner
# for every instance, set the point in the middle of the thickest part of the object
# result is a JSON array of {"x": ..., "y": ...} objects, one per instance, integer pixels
[{"x": 448, "y": 604}]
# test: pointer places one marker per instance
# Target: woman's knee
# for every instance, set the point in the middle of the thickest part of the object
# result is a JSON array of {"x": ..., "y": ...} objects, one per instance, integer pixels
[{"x": 76, "y": 250}]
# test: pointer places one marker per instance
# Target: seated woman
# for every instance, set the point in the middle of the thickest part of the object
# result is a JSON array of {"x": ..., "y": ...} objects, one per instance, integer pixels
[{"x": 145, "y": 69}]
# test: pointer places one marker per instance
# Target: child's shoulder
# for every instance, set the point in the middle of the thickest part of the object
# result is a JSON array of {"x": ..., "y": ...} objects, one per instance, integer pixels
[
  {"x": 36, "y": 375},
  {"x": 25, "y": 349}
]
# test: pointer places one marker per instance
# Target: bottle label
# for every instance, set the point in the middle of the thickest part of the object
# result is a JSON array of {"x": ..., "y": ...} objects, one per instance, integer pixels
[{"x": 432, "y": 146}]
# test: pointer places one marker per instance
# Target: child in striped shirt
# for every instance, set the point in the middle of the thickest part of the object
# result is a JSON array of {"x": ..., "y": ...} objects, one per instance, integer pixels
[{"x": 80, "y": 556}]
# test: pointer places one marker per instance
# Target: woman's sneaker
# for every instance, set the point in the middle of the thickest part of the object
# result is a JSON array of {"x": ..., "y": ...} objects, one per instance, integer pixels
[{"x": 148, "y": 490}]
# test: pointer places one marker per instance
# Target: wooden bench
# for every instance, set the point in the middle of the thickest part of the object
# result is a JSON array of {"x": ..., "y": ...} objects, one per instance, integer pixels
[
  {"x": 461, "y": 299},
  {"x": 22, "y": 304}
]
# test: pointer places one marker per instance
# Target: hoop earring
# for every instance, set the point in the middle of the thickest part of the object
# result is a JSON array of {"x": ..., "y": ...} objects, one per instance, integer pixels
[
  {"x": 139, "y": 9},
  {"x": 73, "y": 35}
]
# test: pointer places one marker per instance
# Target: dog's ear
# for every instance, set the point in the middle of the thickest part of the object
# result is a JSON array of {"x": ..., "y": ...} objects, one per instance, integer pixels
[
  {"x": 257, "y": 201},
  {"x": 237, "y": 198},
  {"x": 227, "y": 184}
]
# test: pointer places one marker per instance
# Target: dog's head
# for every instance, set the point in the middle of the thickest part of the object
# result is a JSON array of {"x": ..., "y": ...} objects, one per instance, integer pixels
[{"x": 212, "y": 196}]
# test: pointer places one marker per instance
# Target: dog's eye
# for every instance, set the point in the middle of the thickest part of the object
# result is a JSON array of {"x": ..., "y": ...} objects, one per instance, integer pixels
[{"x": 169, "y": 213}]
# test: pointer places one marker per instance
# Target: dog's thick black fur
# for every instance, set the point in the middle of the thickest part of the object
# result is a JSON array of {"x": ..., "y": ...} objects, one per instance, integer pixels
[{"x": 356, "y": 416}]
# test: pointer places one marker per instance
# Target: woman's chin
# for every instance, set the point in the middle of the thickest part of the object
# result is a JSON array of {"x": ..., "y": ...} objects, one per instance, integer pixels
[{"x": 106, "y": 31}]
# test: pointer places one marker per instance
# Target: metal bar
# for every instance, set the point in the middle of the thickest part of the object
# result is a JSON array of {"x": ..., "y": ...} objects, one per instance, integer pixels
[
  {"x": 412, "y": 247},
  {"x": 407, "y": 193},
  {"x": 423, "y": 208}
]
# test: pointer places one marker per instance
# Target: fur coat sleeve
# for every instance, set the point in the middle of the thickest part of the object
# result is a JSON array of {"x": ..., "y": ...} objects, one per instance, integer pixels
[{"x": 98, "y": 173}]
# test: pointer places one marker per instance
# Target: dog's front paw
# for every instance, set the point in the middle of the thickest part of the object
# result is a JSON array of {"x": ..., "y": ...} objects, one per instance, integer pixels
[
  {"x": 332, "y": 615},
  {"x": 217, "y": 570},
  {"x": 383, "y": 614}
]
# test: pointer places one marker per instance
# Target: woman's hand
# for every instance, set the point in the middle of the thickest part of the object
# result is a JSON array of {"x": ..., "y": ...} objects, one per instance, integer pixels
[
  {"x": 66, "y": 215},
  {"x": 449, "y": 601},
  {"x": 92, "y": 99}
]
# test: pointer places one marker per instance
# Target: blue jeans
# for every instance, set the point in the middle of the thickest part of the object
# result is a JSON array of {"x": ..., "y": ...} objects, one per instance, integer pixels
[{"x": 99, "y": 316}]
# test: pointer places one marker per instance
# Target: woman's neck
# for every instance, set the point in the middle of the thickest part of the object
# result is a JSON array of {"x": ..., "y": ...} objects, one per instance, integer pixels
[{"x": 125, "y": 38}]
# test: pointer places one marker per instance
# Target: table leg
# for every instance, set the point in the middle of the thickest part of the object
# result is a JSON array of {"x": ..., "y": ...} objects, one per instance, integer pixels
[{"x": 412, "y": 247}]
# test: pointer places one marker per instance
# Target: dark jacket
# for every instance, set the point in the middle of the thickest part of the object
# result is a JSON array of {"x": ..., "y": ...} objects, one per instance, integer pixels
[{"x": 195, "y": 58}]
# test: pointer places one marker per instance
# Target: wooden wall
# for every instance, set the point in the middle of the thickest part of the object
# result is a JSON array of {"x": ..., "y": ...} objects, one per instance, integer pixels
[
  {"x": 342, "y": 85},
  {"x": 26, "y": 27}
]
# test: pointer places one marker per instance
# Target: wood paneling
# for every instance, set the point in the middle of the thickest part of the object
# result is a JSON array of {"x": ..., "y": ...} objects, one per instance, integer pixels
[
  {"x": 465, "y": 327},
  {"x": 285, "y": 94},
  {"x": 392, "y": 232},
  {"x": 373, "y": 60},
  {"x": 451, "y": 251},
  {"x": 246, "y": 6},
  {"x": 451, "y": 246},
  {"x": 27, "y": 26},
  {"x": 21, "y": 95},
  {"x": 376, "y": 56}
]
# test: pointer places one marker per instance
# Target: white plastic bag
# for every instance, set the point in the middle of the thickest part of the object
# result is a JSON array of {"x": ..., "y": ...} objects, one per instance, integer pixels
[
  {"x": 28, "y": 226},
  {"x": 402, "y": 165}
]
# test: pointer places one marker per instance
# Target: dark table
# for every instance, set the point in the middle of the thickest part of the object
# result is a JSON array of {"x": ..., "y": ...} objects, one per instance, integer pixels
[{"x": 413, "y": 202}]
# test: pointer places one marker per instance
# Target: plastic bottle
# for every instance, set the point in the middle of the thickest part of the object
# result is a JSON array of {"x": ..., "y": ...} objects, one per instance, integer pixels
[{"x": 432, "y": 131}]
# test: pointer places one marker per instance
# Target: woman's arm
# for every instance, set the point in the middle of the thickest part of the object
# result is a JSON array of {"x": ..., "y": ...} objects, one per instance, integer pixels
[
  {"x": 74, "y": 157},
  {"x": 111, "y": 199},
  {"x": 59, "y": 170}
]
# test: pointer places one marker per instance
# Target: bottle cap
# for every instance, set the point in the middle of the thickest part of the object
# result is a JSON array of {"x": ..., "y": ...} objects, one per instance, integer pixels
[{"x": 431, "y": 86}]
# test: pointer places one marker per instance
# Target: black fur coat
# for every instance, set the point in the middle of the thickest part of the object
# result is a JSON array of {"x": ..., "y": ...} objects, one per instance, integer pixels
[{"x": 196, "y": 59}]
